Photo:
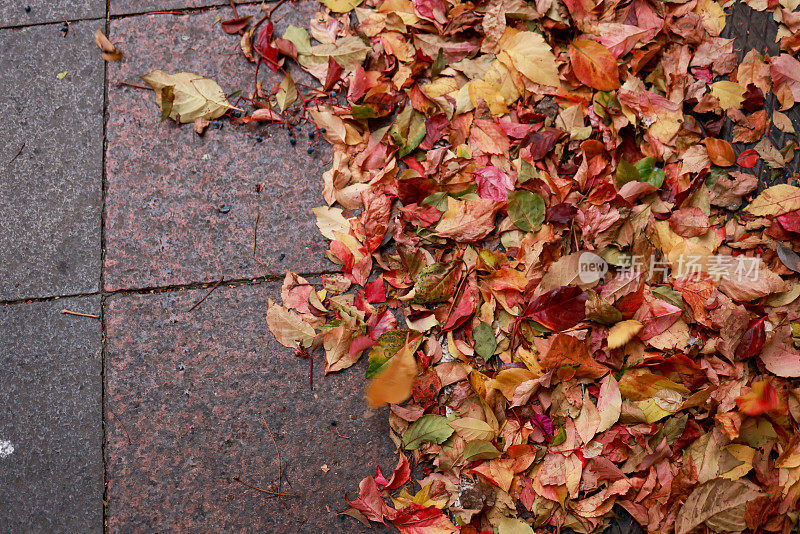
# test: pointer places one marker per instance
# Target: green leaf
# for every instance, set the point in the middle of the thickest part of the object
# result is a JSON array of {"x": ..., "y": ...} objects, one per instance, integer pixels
[
  {"x": 439, "y": 64},
  {"x": 480, "y": 450},
  {"x": 526, "y": 172},
  {"x": 436, "y": 283},
  {"x": 437, "y": 200},
  {"x": 485, "y": 342},
  {"x": 626, "y": 172},
  {"x": 430, "y": 428},
  {"x": 299, "y": 37},
  {"x": 363, "y": 111},
  {"x": 668, "y": 294},
  {"x": 560, "y": 437},
  {"x": 526, "y": 209},
  {"x": 408, "y": 130},
  {"x": 648, "y": 172},
  {"x": 388, "y": 345}
]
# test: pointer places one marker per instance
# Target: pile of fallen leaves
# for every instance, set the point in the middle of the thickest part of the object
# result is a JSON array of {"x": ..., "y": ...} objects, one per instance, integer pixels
[{"x": 569, "y": 292}]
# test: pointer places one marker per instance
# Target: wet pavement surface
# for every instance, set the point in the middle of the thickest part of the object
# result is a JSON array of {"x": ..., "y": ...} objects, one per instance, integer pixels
[{"x": 140, "y": 415}]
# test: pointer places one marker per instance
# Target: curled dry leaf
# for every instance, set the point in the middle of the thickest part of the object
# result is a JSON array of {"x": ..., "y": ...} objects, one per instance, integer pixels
[
  {"x": 186, "y": 96},
  {"x": 110, "y": 51}
]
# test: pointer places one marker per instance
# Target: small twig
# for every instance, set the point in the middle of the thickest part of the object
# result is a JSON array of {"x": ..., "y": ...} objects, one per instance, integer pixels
[
  {"x": 129, "y": 84},
  {"x": 121, "y": 423},
  {"x": 17, "y": 154},
  {"x": 196, "y": 304},
  {"x": 262, "y": 490},
  {"x": 233, "y": 6},
  {"x": 335, "y": 432},
  {"x": 277, "y": 451},
  {"x": 69, "y": 312}
]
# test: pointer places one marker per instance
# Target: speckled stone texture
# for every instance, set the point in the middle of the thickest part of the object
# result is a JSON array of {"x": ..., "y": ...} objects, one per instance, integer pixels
[
  {"x": 122, "y": 7},
  {"x": 189, "y": 387},
  {"x": 50, "y": 195},
  {"x": 50, "y": 412},
  {"x": 166, "y": 184},
  {"x": 12, "y": 12}
]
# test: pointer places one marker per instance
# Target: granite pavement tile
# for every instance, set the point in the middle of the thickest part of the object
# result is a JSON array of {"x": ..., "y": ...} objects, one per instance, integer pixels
[
  {"x": 51, "y": 194},
  {"x": 189, "y": 387},
  {"x": 51, "y": 417},
  {"x": 182, "y": 208}
]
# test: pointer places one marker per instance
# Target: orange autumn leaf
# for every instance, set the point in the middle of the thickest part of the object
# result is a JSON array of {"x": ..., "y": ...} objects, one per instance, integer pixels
[
  {"x": 761, "y": 398},
  {"x": 395, "y": 384},
  {"x": 720, "y": 152},
  {"x": 594, "y": 65}
]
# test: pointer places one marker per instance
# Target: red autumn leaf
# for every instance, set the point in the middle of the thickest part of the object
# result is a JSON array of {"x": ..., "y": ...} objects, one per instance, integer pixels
[
  {"x": 333, "y": 75},
  {"x": 233, "y": 26},
  {"x": 375, "y": 291},
  {"x": 264, "y": 47},
  {"x": 790, "y": 221},
  {"x": 762, "y": 398},
  {"x": 558, "y": 309},
  {"x": 747, "y": 159},
  {"x": 465, "y": 307},
  {"x": 416, "y": 519},
  {"x": 594, "y": 65},
  {"x": 371, "y": 503},
  {"x": 720, "y": 152},
  {"x": 426, "y": 388},
  {"x": 542, "y": 142},
  {"x": 493, "y": 184},
  {"x": 400, "y": 474},
  {"x": 752, "y": 340}
]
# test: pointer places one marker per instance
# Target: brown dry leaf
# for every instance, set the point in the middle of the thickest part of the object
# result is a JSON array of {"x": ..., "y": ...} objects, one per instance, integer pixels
[
  {"x": 110, "y": 51},
  {"x": 719, "y": 504}
]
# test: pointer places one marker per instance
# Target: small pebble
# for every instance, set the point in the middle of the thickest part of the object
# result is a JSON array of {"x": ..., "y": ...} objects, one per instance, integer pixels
[
  {"x": 281, "y": 256},
  {"x": 224, "y": 208},
  {"x": 181, "y": 367},
  {"x": 322, "y": 130},
  {"x": 333, "y": 423},
  {"x": 310, "y": 150},
  {"x": 259, "y": 139},
  {"x": 292, "y": 141},
  {"x": 27, "y": 9},
  {"x": 311, "y": 134}
]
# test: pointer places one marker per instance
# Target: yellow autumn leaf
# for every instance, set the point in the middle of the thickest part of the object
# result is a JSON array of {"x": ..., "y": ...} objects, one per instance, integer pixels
[
  {"x": 744, "y": 454},
  {"x": 776, "y": 200},
  {"x": 394, "y": 384},
  {"x": 729, "y": 94},
  {"x": 712, "y": 15},
  {"x": 622, "y": 332},
  {"x": 341, "y": 6},
  {"x": 531, "y": 56}
]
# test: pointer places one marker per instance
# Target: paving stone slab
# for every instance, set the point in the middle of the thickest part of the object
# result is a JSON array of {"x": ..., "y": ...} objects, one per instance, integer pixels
[
  {"x": 189, "y": 387},
  {"x": 181, "y": 207},
  {"x": 50, "y": 195},
  {"x": 50, "y": 418},
  {"x": 13, "y": 13},
  {"x": 124, "y": 7}
]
